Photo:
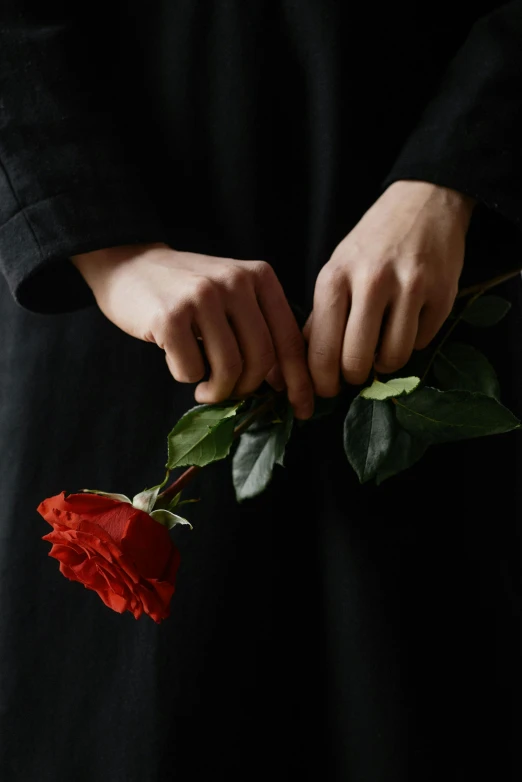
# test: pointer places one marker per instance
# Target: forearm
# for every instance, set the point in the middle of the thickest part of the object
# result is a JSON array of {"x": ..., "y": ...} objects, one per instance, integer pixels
[
  {"x": 95, "y": 265},
  {"x": 459, "y": 206}
]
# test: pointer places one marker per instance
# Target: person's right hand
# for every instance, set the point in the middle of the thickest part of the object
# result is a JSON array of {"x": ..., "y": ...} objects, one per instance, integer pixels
[{"x": 237, "y": 308}]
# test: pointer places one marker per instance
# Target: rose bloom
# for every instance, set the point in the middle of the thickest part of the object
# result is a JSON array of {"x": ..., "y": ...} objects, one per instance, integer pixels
[{"x": 113, "y": 548}]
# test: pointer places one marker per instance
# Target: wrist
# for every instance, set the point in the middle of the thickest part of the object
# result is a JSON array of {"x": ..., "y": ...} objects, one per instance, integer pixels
[
  {"x": 96, "y": 262},
  {"x": 460, "y": 205}
]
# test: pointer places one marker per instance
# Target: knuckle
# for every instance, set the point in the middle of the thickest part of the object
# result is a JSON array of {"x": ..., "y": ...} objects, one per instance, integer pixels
[
  {"x": 176, "y": 317},
  {"x": 414, "y": 284},
  {"x": 158, "y": 328},
  {"x": 262, "y": 270},
  {"x": 374, "y": 280},
  {"x": 331, "y": 276},
  {"x": 162, "y": 321},
  {"x": 203, "y": 291},
  {"x": 237, "y": 277}
]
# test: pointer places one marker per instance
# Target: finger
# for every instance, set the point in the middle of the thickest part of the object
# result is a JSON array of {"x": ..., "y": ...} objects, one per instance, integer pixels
[
  {"x": 431, "y": 318},
  {"x": 255, "y": 342},
  {"x": 308, "y": 327},
  {"x": 362, "y": 334},
  {"x": 330, "y": 313},
  {"x": 223, "y": 355},
  {"x": 275, "y": 378},
  {"x": 182, "y": 353},
  {"x": 288, "y": 342},
  {"x": 400, "y": 332}
]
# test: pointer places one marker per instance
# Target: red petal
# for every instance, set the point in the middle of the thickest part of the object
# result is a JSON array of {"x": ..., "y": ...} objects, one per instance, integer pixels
[
  {"x": 83, "y": 504},
  {"x": 116, "y": 602},
  {"x": 171, "y": 569},
  {"x": 148, "y": 544},
  {"x": 68, "y": 555}
]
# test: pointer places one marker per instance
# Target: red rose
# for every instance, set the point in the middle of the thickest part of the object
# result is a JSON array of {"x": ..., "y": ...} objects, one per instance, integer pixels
[{"x": 115, "y": 549}]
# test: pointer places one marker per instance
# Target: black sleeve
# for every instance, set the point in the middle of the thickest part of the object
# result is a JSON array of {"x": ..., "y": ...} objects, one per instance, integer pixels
[
  {"x": 469, "y": 136},
  {"x": 66, "y": 186}
]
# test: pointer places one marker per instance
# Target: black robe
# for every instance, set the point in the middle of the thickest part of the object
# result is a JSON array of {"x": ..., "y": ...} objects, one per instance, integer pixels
[{"x": 323, "y": 630}]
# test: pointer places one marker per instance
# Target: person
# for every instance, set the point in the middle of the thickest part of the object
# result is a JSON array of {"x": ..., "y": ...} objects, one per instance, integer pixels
[{"x": 174, "y": 178}]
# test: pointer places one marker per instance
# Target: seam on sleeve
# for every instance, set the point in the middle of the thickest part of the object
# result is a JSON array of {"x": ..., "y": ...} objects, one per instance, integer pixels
[{"x": 21, "y": 208}]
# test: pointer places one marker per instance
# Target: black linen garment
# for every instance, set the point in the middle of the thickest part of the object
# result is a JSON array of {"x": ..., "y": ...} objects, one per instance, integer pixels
[{"x": 323, "y": 630}]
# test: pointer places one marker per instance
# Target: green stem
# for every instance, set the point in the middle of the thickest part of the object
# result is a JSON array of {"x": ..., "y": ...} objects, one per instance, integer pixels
[
  {"x": 482, "y": 287},
  {"x": 180, "y": 482},
  {"x": 255, "y": 413},
  {"x": 474, "y": 291},
  {"x": 450, "y": 331},
  {"x": 190, "y": 472}
]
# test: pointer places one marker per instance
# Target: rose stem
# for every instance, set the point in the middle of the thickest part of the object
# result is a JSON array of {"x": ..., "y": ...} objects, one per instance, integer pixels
[
  {"x": 482, "y": 287},
  {"x": 475, "y": 292},
  {"x": 189, "y": 473}
]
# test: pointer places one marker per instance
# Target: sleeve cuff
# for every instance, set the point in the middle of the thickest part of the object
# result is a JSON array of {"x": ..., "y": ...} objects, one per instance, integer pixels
[
  {"x": 37, "y": 242},
  {"x": 504, "y": 205},
  {"x": 494, "y": 238}
]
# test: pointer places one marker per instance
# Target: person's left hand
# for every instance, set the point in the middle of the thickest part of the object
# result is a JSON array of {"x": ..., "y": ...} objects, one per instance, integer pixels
[{"x": 389, "y": 285}]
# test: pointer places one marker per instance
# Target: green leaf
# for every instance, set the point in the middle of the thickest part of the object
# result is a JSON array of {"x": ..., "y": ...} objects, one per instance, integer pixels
[
  {"x": 284, "y": 433},
  {"x": 203, "y": 435},
  {"x": 258, "y": 450},
  {"x": 443, "y": 416},
  {"x": 405, "y": 451},
  {"x": 395, "y": 387},
  {"x": 369, "y": 431},
  {"x": 117, "y": 497},
  {"x": 168, "y": 519},
  {"x": 486, "y": 311},
  {"x": 462, "y": 366}
]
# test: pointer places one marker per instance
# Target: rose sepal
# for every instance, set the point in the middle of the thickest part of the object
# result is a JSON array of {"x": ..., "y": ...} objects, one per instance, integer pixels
[{"x": 169, "y": 519}]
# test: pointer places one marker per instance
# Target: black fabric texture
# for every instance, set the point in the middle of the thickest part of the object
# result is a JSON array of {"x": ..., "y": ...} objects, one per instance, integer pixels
[
  {"x": 65, "y": 187},
  {"x": 323, "y": 630},
  {"x": 468, "y": 135}
]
